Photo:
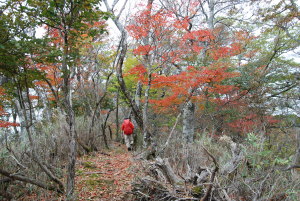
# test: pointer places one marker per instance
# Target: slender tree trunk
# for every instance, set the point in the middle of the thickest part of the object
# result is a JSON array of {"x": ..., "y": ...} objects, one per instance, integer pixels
[
  {"x": 296, "y": 160},
  {"x": 118, "y": 135},
  {"x": 136, "y": 111},
  {"x": 138, "y": 94},
  {"x": 98, "y": 104},
  {"x": 72, "y": 153},
  {"x": 120, "y": 59},
  {"x": 15, "y": 114},
  {"x": 188, "y": 121},
  {"x": 110, "y": 132},
  {"x": 69, "y": 118},
  {"x": 211, "y": 14},
  {"x": 146, "y": 133},
  {"x": 103, "y": 128}
]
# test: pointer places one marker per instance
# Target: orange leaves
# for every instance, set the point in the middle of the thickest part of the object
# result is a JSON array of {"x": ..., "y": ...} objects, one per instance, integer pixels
[
  {"x": 139, "y": 73},
  {"x": 181, "y": 23},
  {"x": 2, "y": 112},
  {"x": 52, "y": 81},
  {"x": 170, "y": 42},
  {"x": 33, "y": 97},
  {"x": 243, "y": 36},
  {"x": 191, "y": 84},
  {"x": 249, "y": 122},
  {"x": 6, "y": 124},
  {"x": 2, "y": 92},
  {"x": 220, "y": 52},
  {"x": 84, "y": 35},
  {"x": 52, "y": 72},
  {"x": 137, "y": 34},
  {"x": 147, "y": 23},
  {"x": 199, "y": 35},
  {"x": 143, "y": 50},
  {"x": 139, "y": 69},
  {"x": 197, "y": 48}
]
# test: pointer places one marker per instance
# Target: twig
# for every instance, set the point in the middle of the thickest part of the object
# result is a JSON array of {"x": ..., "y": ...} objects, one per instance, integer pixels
[
  {"x": 210, "y": 155},
  {"x": 187, "y": 199},
  {"x": 20, "y": 164},
  {"x": 223, "y": 190},
  {"x": 205, "y": 197},
  {"x": 258, "y": 194},
  {"x": 291, "y": 167},
  {"x": 145, "y": 195},
  {"x": 170, "y": 135},
  {"x": 93, "y": 172},
  {"x": 249, "y": 187}
]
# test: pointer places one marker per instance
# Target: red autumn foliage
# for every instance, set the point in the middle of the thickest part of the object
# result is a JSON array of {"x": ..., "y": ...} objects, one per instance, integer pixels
[
  {"x": 171, "y": 41},
  {"x": 53, "y": 79},
  {"x": 251, "y": 121},
  {"x": 190, "y": 63},
  {"x": 143, "y": 50}
]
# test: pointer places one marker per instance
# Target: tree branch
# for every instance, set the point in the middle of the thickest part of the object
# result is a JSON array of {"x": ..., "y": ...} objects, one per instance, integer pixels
[{"x": 31, "y": 181}]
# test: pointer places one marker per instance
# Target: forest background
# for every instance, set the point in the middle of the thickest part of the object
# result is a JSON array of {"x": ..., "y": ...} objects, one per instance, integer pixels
[{"x": 211, "y": 85}]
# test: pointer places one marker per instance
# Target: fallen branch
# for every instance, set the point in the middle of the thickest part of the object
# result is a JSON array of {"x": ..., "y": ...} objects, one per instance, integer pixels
[
  {"x": 291, "y": 167},
  {"x": 31, "y": 181},
  {"x": 168, "y": 172}
]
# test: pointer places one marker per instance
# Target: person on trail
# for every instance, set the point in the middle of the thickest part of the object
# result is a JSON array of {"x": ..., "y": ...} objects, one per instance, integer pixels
[{"x": 127, "y": 128}]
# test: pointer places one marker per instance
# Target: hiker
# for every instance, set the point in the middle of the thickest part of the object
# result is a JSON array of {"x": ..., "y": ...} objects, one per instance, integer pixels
[{"x": 127, "y": 128}]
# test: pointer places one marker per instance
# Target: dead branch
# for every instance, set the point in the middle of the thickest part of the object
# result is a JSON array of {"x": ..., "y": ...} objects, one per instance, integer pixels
[
  {"x": 31, "y": 181},
  {"x": 237, "y": 156},
  {"x": 216, "y": 168},
  {"x": 168, "y": 172},
  {"x": 291, "y": 167}
]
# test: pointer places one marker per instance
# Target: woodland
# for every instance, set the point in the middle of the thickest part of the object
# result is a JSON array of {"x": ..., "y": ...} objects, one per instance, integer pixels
[{"x": 212, "y": 87}]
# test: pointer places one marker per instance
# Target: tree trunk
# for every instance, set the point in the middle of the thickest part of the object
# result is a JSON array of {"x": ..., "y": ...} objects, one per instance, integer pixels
[
  {"x": 211, "y": 14},
  {"x": 118, "y": 135},
  {"x": 188, "y": 121},
  {"x": 103, "y": 128},
  {"x": 70, "y": 119},
  {"x": 138, "y": 94},
  {"x": 136, "y": 111},
  {"x": 98, "y": 105},
  {"x": 146, "y": 133},
  {"x": 120, "y": 59},
  {"x": 296, "y": 160}
]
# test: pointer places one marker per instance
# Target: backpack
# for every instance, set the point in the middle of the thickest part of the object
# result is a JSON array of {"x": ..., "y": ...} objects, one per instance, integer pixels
[{"x": 127, "y": 127}]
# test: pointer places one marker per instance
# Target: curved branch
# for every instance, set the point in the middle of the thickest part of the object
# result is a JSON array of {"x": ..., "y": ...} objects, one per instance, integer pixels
[{"x": 31, "y": 181}]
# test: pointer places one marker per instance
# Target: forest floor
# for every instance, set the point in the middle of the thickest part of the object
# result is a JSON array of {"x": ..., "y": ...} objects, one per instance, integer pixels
[
  {"x": 101, "y": 176},
  {"x": 106, "y": 175}
]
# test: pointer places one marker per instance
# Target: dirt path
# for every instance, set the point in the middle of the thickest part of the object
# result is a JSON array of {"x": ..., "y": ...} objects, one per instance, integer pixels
[
  {"x": 105, "y": 175},
  {"x": 101, "y": 176}
]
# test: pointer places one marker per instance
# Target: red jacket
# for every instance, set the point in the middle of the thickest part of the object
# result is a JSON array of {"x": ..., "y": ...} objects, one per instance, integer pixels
[{"x": 127, "y": 127}]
